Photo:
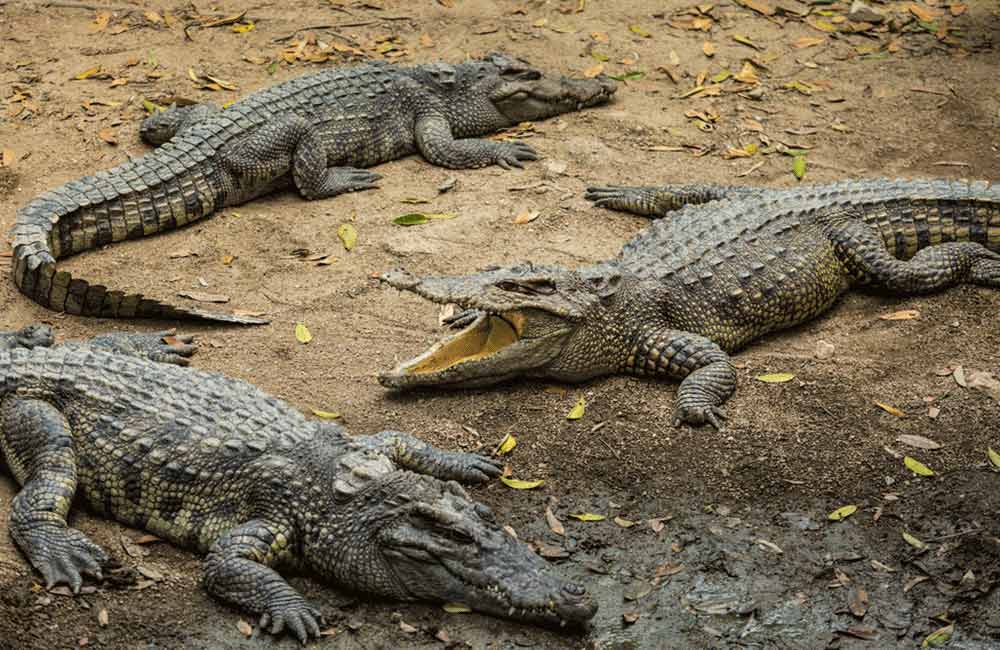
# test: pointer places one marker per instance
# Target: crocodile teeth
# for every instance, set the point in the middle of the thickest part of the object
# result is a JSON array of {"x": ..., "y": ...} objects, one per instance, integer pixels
[{"x": 510, "y": 612}]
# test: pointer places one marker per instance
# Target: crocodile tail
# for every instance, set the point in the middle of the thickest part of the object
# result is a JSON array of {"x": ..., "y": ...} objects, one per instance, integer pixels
[{"x": 96, "y": 210}]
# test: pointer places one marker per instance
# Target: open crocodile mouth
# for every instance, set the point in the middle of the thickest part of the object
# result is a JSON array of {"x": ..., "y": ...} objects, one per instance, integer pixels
[{"x": 492, "y": 348}]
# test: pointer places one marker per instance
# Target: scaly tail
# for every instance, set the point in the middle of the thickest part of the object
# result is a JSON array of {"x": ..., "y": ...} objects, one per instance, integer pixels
[{"x": 161, "y": 191}]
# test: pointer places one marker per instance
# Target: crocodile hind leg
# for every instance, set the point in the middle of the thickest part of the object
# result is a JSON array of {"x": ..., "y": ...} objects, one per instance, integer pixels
[
  {"x": 238, "y": 570},
  {"x": 437, "y": 144},
  {"x": 707, "y": 377},
  {"x": 416, "y": 455},
  {"x": 38, "y": 446},
  {"x": 164, "y": 125},
  {"x": 290, "y": 144},
  {"x": 655, "y": 202},
  {"x": 933, "y": 268}
]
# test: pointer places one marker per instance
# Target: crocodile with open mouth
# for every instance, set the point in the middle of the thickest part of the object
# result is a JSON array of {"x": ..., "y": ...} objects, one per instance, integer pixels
[
  {"x": 314, "y": 132},
  {"x": 214, "y": 465},
  {"x": 729, "y": 265}
]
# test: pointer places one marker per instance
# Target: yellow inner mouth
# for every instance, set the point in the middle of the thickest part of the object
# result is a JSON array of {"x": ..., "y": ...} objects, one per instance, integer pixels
[{"x": 476, "y": 342}]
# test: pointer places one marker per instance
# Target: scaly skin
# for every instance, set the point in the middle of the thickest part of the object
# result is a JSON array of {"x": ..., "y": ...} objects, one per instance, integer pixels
[
  {"x": 314, "y": 133},
  {"x": 728, "y": 266},
  {"x": 214, "y": 465}
]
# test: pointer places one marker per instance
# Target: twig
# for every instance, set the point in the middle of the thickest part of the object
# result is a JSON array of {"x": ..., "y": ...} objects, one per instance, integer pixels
[
  {"x": 326, "y": 29},
  {"x": 950, "y": 535},
  {"x": 66, "y": 4},
  {"x": 951, "y": 163},
  {"x": 751, "y": 170}
]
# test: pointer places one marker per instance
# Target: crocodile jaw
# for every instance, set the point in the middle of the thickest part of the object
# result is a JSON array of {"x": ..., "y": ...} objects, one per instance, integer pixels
[{"x": 492, "y": 349}]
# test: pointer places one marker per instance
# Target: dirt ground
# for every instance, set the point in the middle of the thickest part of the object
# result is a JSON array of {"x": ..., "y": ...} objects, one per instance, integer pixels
[{"x": 745, "y": 555}]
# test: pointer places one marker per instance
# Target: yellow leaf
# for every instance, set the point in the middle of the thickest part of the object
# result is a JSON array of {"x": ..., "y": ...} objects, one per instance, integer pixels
[
  {"x": 578, "y": 409},
  {"x": 456, "y": 608},
  {"x": 799, "y": 167},
  {"x": 743, "y": 40},
  {"x": 326, "y": 415},
  {"x": 917, "y": 467},
  {"x": 994, "y": 457},
  {"x": 588, "y": 516},
  {"x": 506, "y": 445},
  {"x": 635, "y": 29},
  {"x": 624, "y": 523},
  {"x": 302, "y": 334},
  {"x": 89, "y": 72},
  {"x": 808, "y": 41},
  {"x": 842, "y": 513},
  {"x": 821, "y": 25},
  {"x": 913, "y": 541},
  {"x": 593, "y": 70},
  {"x": 938, "y": 637},
  {"x": 348, "y": 235},
  {"x": 892, "y": 410},
  {"x": 518, "y": 484},
  {"x": 228, "y": 259},
  {"x": 775, "y": 377},
  {"x": 708, "y": 48},
  {"x": 747, "y": 75},
  {"x": 243, "y": 28}
]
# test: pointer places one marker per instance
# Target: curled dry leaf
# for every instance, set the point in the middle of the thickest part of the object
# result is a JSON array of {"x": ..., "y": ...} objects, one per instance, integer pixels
[
  {"x": 771, "y": 546},
  {"x": 244, "y": 628},
  {"x": 527, "y": 216},
  {"x": 892, "y": 410},
  {"x": 905, "y": 314},
  {"x": 554, "y": 524},
  {"x": 406, "y": 628}
]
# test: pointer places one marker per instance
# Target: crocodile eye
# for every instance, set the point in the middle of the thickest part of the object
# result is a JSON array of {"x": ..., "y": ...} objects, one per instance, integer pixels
[{"x": 507, "y": 285}]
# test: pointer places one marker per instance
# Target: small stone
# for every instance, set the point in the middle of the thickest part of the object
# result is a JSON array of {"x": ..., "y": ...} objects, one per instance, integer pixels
[
  {"x": 824, "y": 350},
  {"x": 862, "y": 13}
]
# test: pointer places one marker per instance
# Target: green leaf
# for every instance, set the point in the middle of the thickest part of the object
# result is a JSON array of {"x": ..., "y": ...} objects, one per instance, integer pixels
[
  {"x": 917, "y": 467},
  {"x": 302, "y": 333},
  {"x": 842, "y": 513},
  {"x": 348, "y": 235},
  {"x": 272, "y": 67},
  {"x": 628, "y": 76},
  {"x": 913, "y": 541},
  {"x": 639, "y": 31},
  {"x": 151, "y": 107},
  {"x": 578, "y": 409},
  {"x": 418, "y": 218},
  {"x": 993, "y": 456},
  {"x": 799, "y": 167},
  {"x": 588, "y": 516},
  {"x": 518, "y": 484},
  {"x": 775, "y": 377}
]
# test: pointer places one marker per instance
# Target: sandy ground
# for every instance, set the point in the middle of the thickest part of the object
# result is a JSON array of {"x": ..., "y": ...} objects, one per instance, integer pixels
[{"x": 879, "y": 103}]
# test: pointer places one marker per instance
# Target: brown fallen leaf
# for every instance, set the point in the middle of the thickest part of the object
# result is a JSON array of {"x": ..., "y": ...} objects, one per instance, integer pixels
[
  {"x": 527, "y": 216},
  {"x": 406, "y": 628},
  {"x": 905, "y": 314},
  {"x": 913, "y": 582},
  {"x": 808, "y": 41},
  {"x": 858, "y": 602},
  {"x": 7, "y": 158},
  {"x": 892, "y": 410},
  {"x": 102, "y": 617},
  {"x": 708, "y": 49},
  {"x": 554, "y": 524},
  {"x": 593, "y": 70},
  {"x": 108, "y": 135},
  {"x": 245, "y": 628}
]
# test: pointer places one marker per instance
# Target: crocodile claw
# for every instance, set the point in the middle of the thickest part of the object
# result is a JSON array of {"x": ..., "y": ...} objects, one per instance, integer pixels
[
  {"x": 698, "y": 415},
  {"x": 298, "y": 616},
  {"x": 62, "y": 555},
  {"x": 510, "y": 154}
]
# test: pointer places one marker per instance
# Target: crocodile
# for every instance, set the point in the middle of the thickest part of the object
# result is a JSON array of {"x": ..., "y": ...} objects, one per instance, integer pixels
[
  {"x": 730, "y": 265},
  {"x": 314, "y": 133},
  {"x": 215, "y": 465}
]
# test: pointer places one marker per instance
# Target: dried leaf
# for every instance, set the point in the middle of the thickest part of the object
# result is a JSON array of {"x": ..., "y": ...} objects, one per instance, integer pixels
[
  {"x": 527, "y": 217},
  {"x": 554, "y": 524},
  {"x": 917, "y": 467},
  {"x": 808, "y": 41},
  {"x": 302, "y": 333},
  {"x": 518, "y": 484},
  {"x": 348, "y": 235},
  {"x": 630, "y": 617},
  {"x": 102, "y": 617},
  {"x": 244, "y": 628},
  {"x": 913, "y": 582},
  {"x": 858, "y": 602},
  {"x": 842, "y": 513},
  {"x": 624, "y": 523},
  {"x": 90, "y": 72},
  {"x": 938, "y": 637},
  {"x": 587, "y": 516},
  {"x": 708, "y": 48},
  {"x": 905, "y": 314},
  {"x": 7, "y": 157},
  {"x": 506, "y": 445},
  {"x": 913, "y": 541},
  {"x": 770, "y": 546},
  {"x": 578, "y": 409},
  {"x": 919, "y": 442},
  {"x": 743, "y": 40},
  {"x": 775, "y": 377},
  {"x": 456, "y": 608},
  {"x": 243, "y": 28},
  {"x": 888, "y": 408},
  {"x": 993, "y": 456},
  {"x": 108, "y": 135},
  {"x": 959, "y": 375},
  {"x": 639, "y": 31},
  {"x": 326, "y": 415}
]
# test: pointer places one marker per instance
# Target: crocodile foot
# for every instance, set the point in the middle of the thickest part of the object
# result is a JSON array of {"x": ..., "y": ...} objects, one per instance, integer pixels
[
  {"x": 699, "y": 415},
  {"x": 164, "y": 347},
  {"x": 510, "y": 154},
  {"x": 287, "y": 609},
  {"x": 466, "y": 468},
  {"x": 637, "y": 200},
  {"x": 61, "y": 554}
]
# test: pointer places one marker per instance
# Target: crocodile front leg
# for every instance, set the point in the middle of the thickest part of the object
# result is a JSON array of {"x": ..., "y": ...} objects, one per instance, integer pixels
[
  {"x": 259, "y": 162},
  {"x": 864, "y": 255},
  {"x": 238, "y": 570},
  {"x": 708, "y": 378},
  {"x": 154, "y": 346},
  {"x": 655, "y": 202},
  {"x": 437, "y": 144},
  {"x": 38, "y": 446},
  {"x": 416, "y": 455}
]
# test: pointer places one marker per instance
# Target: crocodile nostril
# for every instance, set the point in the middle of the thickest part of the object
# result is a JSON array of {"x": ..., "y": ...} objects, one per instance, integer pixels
[{"x": 574, "y": 589}]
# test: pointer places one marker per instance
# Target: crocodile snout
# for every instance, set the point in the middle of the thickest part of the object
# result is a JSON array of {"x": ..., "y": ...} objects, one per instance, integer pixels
[{"x": 400, "y": 279}]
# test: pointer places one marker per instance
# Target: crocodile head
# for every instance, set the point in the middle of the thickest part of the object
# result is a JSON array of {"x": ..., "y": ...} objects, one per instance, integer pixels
[
  {"x": 500, "y": 91},
  {"x": 31, "y": 336},
  {"x": 435, "y": 543},
  {"x": 525, "y": 320}
]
